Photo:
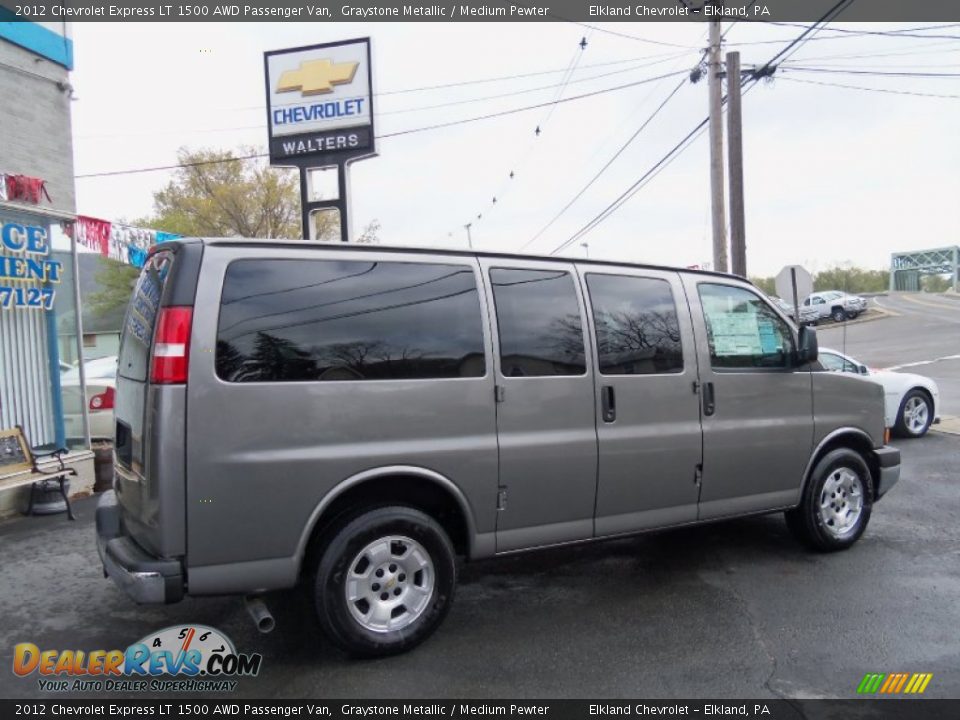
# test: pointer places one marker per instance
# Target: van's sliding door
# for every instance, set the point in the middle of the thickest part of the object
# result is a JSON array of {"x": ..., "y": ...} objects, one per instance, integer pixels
[{"x": 648, "y": 412}]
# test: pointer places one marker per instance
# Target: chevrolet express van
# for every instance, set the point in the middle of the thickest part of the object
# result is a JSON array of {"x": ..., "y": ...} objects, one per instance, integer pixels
[{"x": 353, "y": 418}]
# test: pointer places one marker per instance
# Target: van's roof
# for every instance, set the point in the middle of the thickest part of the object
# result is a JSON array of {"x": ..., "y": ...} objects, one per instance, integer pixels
[{"x": 426, "y": 249}]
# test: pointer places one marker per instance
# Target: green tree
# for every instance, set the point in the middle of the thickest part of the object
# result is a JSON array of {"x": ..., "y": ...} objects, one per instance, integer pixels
[
  {"x": 852, "y": 279},
  {"x": 116, "y": 282},
  {"x": 766, "y": 284},
  {"x": 935, "y": 283},
  {"x": 219, "y": 193}
]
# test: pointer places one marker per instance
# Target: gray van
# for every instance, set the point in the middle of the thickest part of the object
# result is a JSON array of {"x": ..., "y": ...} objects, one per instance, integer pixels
[{"x": 353, "y": 418}]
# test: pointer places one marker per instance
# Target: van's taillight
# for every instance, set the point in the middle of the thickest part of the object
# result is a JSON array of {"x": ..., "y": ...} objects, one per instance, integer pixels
[
  {"x": 171, "y": 348},
  {"x": 102, "y": 401}
]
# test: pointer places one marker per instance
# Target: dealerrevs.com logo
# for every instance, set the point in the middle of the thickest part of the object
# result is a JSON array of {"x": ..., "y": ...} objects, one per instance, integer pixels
[{"x": 176, "y": 659}]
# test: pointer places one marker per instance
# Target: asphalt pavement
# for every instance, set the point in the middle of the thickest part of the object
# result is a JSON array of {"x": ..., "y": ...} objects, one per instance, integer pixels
[{"x": 728, "y": 610}]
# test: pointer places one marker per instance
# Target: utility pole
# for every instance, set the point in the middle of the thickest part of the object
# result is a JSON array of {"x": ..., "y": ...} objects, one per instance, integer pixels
[
  {"x": 586, "y": 249},
  {"x": 714, "y": 68},
  {"x": 738, "y": 236},
  {"x": 469, "y": 239}
]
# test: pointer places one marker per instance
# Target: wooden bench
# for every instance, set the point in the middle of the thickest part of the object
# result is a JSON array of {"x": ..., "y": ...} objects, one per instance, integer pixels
[{"x": 16, "y": 455}]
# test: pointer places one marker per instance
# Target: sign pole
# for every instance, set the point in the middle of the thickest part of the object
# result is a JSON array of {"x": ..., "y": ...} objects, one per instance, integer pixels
[{"x": 340, "y": 204}]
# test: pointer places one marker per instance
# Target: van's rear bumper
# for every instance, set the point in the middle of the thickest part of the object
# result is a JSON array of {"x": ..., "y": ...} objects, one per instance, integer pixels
[
  {"x": 888, "y": 459},
  {"x": 145, "y": 578}
]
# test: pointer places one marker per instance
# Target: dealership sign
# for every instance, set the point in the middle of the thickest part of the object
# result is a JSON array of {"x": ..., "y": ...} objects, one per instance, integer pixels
[
  {"x": 320, "y": 103},
  {"x": 27, "y": 274}
]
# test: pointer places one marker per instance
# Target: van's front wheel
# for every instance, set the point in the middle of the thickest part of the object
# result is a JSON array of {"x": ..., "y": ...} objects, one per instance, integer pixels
[
  {"x": 836, "y": 503},
  {"x": 385, "y": 581}
]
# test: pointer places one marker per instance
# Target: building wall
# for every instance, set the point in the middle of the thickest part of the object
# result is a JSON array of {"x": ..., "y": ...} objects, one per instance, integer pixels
[
  {"x": 35, "y": 140},
  {"x": 35, "y": 124}
]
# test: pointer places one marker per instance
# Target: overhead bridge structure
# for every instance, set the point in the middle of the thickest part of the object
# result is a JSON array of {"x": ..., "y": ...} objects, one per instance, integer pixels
[{"x": 907, "y": 268}]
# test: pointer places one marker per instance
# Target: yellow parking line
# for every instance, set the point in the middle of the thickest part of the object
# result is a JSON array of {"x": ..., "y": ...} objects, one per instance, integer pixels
[{"x": 949, "y": 304}]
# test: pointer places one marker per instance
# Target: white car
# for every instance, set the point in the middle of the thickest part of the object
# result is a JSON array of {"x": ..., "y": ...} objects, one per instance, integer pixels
[
  {"x": 834, "y": 304},
  {"x": 911, "y": 402},
  {"x": 101, "y": 377}
]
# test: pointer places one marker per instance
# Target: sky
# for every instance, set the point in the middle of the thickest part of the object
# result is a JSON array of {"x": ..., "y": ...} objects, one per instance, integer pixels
[{"x": 832, "y": 175}]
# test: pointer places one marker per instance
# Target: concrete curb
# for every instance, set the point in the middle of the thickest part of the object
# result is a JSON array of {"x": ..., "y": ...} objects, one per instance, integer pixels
[
  {"x": 874, "y": 313},
  {"x": 949, "y": 425}
]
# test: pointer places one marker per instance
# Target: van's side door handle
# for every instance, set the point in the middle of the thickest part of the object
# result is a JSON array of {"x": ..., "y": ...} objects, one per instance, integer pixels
[
  {"x": 608, "y": 402},
  {"x": 709, "y": 402}
]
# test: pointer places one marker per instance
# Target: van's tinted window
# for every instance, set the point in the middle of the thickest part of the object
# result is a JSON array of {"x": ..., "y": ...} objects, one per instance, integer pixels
[
  {"x": 743, "y": 331},
  {"x": 539, "y": 320},
  {"x": 289, "y": 320},
  {"x": 141, "y": 318},
  {"x": 636, "y": 322}
]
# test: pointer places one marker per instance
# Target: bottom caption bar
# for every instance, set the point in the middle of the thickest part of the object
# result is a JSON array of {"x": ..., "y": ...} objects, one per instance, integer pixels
[{"x": 344, "y": 709}]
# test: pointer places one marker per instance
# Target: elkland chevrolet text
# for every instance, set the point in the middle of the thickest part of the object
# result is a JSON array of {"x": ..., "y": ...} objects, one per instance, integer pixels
[{"x": 352, "y": 418}]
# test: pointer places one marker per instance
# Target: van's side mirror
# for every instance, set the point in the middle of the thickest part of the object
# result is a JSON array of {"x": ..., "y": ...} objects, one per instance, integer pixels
[
  {"x": 863, "y": 370},
  {"x": 808, "y": 349}
]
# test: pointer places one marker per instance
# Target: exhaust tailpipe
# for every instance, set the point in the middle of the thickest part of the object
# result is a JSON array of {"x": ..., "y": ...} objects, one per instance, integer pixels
[{"x": 259, "y": 613}]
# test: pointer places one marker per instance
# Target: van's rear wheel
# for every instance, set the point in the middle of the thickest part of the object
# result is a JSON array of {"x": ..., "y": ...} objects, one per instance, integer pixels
[
  {"x": 385, "y": 581},
  {"x": 836, "y": 503}
]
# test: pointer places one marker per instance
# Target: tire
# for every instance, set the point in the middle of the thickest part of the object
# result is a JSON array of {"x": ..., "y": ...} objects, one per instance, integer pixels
[
  {"x": 853, "y": 315},
  {"x": 386, "y": 559},
  {"x": 838, "y": 314},
  {"x": 915, "y": 414},
  {"x": 837, "y": 525}
]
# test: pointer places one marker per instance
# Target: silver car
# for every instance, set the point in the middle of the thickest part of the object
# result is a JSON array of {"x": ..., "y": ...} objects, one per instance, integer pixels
[
  {"x": 808, "y": 316},
  {"x": 353, "y": 418},
  {"x": 833, "y": 304}
]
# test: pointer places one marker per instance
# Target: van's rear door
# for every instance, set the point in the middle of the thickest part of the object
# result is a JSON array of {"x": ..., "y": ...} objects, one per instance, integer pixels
[{"x": 150, "y": 419}]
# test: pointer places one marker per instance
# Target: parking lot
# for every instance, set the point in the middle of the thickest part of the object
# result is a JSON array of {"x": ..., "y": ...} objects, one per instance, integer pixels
[{"x": 728, "y": 610}]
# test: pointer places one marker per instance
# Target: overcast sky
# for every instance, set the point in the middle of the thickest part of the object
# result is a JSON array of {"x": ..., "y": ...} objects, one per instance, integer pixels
[{"x": 832, "y": 175}]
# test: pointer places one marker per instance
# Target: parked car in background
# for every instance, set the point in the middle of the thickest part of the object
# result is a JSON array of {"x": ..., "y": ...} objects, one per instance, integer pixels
[
  {"x": 834, "y": 304},
  {"x": 911, "y": 402},
  {"x": 808, "y": 315},
  {"x": 101, "y": 377}
]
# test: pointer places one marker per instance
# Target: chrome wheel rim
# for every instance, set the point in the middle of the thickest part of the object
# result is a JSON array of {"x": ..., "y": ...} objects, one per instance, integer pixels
[
  {"x": 915, "y": 414},
  {"x": 841, "y": 502},
  {"x": 389, "y": 584}
]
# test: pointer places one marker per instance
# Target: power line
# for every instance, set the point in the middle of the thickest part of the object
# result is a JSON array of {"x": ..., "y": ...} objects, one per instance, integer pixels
[
  {"x": 626, "y": 194},
  {"x": 526, "y": 91},
  {"x": 905, "y": 32},
  {"x": 878, "y": 73},
  {"x": 498, "y": 78},
  {"x": 616, "y": 33},
  {"x": 609, "y": 162},
  {"x": 869, "y": 89},
  {"x": 399, "y": 133},
  {"x": 859, "y": 56},
  {"x": 677, "y": 149},
  {"x": 533, "y": 107}
]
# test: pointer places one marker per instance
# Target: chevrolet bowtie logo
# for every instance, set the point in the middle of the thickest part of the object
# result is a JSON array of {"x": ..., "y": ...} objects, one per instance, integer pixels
[{"x": 315, "y": 77}]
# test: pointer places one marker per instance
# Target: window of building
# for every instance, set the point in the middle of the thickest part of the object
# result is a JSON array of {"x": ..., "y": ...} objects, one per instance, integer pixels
[
  {"x": 539, "y": 320},
  {"x": 329, "y": 320},
  {"x": 742, "y": 330},
  {"x": 636, "y": 323}
]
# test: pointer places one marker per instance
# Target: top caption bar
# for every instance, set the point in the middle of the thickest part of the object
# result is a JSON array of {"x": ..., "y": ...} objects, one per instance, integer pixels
[{"x": 585, "y": 11}]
